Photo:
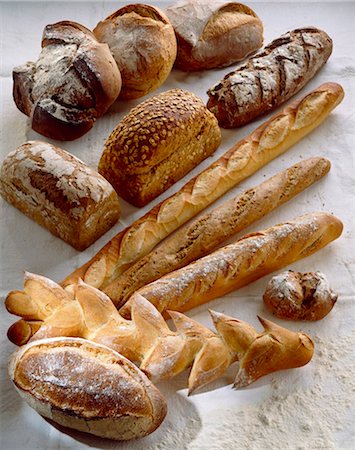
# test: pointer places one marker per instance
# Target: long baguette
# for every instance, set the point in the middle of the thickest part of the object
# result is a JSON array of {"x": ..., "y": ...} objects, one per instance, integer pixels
[
  {"x": 209, "y": 230},
  {"x": 240, "y": 263},
  {"x": 267, "y": 142}
]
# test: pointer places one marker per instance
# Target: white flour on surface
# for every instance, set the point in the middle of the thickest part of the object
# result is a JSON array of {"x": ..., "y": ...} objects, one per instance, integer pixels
[{"x": 303, "y": 419}]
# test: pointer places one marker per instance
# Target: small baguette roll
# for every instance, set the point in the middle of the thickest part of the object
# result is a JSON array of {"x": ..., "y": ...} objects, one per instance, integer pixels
[
  {"x": 240, "y": 263},
  {"x": 88, "y": 387},
  {"x": 213, "y": 33},
  {"x": 59, "y": 192}
]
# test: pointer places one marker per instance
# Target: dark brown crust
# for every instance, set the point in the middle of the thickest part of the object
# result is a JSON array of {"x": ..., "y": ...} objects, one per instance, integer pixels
[
  {"x": 93, "y": 67},
  {"x": 223, "y": 97},
  {"x": 142, "y": 10}
]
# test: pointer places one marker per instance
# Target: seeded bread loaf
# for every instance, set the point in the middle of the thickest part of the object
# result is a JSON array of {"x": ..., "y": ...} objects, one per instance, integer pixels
[
  {"x": 59, "y": 192},
  {"x": 143, "y": 43},
  {"x": 88, "y": 387},
  {"x": 157, "y": 143},
  {"x": 73, "y": 82},
  {"x": 213, "y": 33},
  {"x": 270, "y": 77}
]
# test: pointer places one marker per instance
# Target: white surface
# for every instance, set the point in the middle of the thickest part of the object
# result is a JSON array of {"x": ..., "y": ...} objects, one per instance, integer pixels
[{"x": 313, "y": 406}]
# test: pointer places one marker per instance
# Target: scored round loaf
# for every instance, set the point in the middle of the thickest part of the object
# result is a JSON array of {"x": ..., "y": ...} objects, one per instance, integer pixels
[
  {"x": 213, "y": 33},
  {"x": 143, "y": 43},
  {"x": 88, "y": 387},
  {"x": 157, "y": 143},
  {"x": 74, "y": 81}
]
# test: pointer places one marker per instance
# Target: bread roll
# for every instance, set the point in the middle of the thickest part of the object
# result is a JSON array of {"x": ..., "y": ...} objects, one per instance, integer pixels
[
  {"x": 59, "y": 192},
  {"x": 213, "y": 33},
  {"x": 240, "y": 263},
  {"x": 157, "y": 143},
  {"x": 87, "y": 387},
  {"x": 143, "y": 43},
  {"x": 269, "y": 78},
  {"x": 271, "y": 139},
  {"x": 299, "y": 296},
  {"x": 208, "y": 231},
  {"x": 74, "y": 81}
]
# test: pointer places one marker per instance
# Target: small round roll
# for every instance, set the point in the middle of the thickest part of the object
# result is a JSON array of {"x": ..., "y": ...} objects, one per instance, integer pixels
[
  {"x": 299, "y": 296},
  {"x": 88, "y": 387},
  {"x": 143, "y": 43}
]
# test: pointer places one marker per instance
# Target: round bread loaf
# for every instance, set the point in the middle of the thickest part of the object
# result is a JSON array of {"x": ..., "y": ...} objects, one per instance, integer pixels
[
  {"x": 143, "y": 43},
  {"x": 213, "y": 33},
  {"x": 87, "y": 387},
  {"x": 74, "y": 81}
]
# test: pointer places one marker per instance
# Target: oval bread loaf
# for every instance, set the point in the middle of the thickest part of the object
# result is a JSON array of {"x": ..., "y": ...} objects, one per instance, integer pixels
[
  {"x": 213, "y": 33},
  {"x": 157, "y": 143},
  {"x": 74, "y": 81},
  {"x": 59, "y": 192},
  {"x": 270, "y": 77},
  {"x": 88, "y": 387},
  {"x": 143, "y": 43}
]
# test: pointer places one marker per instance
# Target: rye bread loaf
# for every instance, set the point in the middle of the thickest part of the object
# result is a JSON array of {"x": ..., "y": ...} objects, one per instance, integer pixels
[
  {"x": 157, "y": 143},
  {"x": 73, "y": 82},
  {"x": 213, "y": 33},
  {"x": 270, "y": 77}
]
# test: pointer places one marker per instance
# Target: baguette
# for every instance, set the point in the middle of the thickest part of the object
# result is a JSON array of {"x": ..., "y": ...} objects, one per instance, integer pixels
[
  {"x": 84, "y": 311},
  {"x": 209, "y": 230},
  {"x": 88, "y": 387},
  {"x": 270, "y": 77},
  {"x": 240, "y": 263},
  {"x": 267, "y": 142}
]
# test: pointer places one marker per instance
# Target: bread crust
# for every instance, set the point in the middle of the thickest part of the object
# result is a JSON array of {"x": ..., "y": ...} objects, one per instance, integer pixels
[
  {"x": 268, "y": 141},
  {"x": 88, "y": 387},
  {"x": 213, "y": 34},
  {"x": 157, "y": 143},
  {"x": 270, "y": 77},
  {"x": 74, "y": 81},
  {"x": 59, "y": 192},
  {"x": 143, "y": 43}
]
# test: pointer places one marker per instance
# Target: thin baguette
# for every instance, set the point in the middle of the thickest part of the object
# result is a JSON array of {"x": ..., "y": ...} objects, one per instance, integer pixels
[
  {"x": 267, "y": 142},
  {"x": 240, "y": 263},
  {"x": 209, "y": 230}
]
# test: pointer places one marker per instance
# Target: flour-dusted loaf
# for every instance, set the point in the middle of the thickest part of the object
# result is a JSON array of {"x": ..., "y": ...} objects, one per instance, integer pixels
[
  {"x": 60, "y": 192},
  {"x": 73, "y": 82},
  {"x": 157, "y": 143},
  {"x": 213, "y": 33},
  {"x": 270, "y": 77},
  {"x": 88, "y": 387},
  {"x": 241, "y": 262},
  {"x": 143, "y": 43},
  {"x": 269, "y": 140}
]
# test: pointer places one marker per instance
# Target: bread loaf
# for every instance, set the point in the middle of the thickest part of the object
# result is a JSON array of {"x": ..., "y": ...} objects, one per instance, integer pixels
[
  {"x": 270, "y": 77},
  {"x": 147, "y": 339},
  {"x": 209, "y": 230},
  {"x": 143, "y": 43},
  {"x": 213, "y": 33},
  {"x": 268, "y": 141},
  {"x": 157, "y": 143},
  {"x": 87, "y": 387},
  {"x": 74, "y": 81},
  {"x": 240, "y": 263},
  {"x": 59, "y": 192}
]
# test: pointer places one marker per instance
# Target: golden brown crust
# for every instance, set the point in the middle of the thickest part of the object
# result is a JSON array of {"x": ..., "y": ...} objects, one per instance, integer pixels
[
  {"x": 240, "y": 263},
  {"x": 87, "y": 386},
  {"x": 208, "y": 231},
  {"x": 267, "y": 142},
  {"x": 59, "y": 192},
  {"x": 213, "y": 34},
  {"x": 143, "y": 43},
  {"x": 299, "y": 296},
  {"x": 157, "y": 143}
]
